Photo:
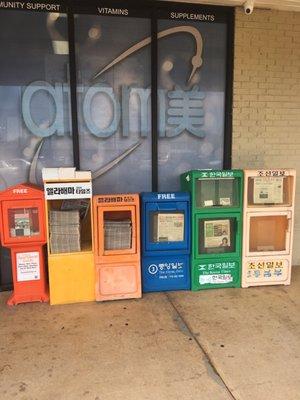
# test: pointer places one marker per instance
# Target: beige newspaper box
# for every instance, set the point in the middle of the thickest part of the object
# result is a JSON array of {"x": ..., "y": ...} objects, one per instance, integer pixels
[{"x": 269, "y": 197}]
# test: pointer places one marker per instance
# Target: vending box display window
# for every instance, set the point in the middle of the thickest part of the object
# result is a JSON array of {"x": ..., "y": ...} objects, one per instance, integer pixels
[
  {"x": 216, "y": 235},
  {"x": 217, "y": 193}
]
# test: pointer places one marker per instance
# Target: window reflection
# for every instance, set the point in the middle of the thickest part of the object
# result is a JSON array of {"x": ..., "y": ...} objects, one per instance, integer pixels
[
  {"x": 114, "y": 102},
  {"x": 34, "y": 95}
]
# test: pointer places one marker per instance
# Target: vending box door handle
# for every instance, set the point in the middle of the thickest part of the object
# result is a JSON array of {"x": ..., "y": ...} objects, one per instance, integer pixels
[
  {"x": 236, "y": 226},
  {"x": 166, "y": 207},
  {"x": 289, "y": 226},
  {"x": 288, "y": 234}
]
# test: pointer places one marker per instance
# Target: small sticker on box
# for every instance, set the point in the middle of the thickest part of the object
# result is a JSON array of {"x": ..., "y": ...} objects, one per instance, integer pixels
[
  {"x": 215, "y": 279},
  {"x": 28, "y": 266},
  {"x": 208, "y": 203},
  {"x": 225, "y": 201}
]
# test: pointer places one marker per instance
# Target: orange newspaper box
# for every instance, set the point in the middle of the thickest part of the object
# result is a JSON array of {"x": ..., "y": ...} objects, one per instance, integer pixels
[
  {"x": 117, "y": 246},
  {"x": 23, "y": 231}
]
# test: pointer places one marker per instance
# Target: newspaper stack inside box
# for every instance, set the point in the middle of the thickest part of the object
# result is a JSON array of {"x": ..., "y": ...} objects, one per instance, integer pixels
[
  {"x": 64, "y": 231},
  {"x": 117, "y": 234}
]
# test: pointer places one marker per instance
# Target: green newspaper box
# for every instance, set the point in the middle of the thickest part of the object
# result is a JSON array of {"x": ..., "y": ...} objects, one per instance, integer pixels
[{"x": 217, "y": 209}]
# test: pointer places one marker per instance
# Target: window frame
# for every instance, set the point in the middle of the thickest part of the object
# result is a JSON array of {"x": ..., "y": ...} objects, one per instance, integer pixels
[{"x": 71, "y": 7}]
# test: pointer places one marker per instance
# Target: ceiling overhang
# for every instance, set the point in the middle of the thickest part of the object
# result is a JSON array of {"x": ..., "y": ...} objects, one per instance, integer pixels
[{"x": 286, "y": 5}]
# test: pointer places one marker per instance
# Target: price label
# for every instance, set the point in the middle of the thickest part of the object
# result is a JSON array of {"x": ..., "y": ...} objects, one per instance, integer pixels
[{"x": 215, "y": 279}]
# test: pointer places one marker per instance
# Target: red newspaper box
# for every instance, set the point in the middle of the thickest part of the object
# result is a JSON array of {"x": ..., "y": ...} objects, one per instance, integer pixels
[{"x": 22, "y": 229}]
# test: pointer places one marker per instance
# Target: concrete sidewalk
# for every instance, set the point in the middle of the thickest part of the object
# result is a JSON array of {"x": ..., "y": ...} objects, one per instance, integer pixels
[{"x": 241, "y": 344}]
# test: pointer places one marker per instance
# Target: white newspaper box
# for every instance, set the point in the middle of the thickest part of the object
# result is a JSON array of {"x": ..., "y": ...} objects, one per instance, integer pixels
[{"x": 269, "y": 198}]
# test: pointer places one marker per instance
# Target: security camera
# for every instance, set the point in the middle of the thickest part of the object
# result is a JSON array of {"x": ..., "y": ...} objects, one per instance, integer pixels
[{"x": 248, "y": 7}]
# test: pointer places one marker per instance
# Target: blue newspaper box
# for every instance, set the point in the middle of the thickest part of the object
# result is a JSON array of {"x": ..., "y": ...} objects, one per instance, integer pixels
[{"x": 165, "y": 241}]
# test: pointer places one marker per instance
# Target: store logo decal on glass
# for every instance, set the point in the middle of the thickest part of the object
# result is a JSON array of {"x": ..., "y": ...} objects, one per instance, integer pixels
[{"x": 180, "y": 109}]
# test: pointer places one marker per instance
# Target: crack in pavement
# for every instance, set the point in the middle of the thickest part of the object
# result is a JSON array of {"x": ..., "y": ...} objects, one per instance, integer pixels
[{"x": 211, "y": 367}]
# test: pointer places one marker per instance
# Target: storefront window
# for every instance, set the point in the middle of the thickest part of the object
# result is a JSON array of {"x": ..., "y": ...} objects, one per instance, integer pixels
[
  {"x": 35, "y": 129},
  {"x": 191, "y": 91},
  {"x": 115, "y": 70},
  {"x": 114, "y": 101},
  {"x": 34, "y": 108}
]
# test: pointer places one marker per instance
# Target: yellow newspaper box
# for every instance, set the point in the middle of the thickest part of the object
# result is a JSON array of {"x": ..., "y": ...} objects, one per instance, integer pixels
[{"x": 68, "y": 195}]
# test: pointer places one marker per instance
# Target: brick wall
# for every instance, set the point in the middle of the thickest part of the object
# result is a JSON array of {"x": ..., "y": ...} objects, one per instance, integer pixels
[{"x": 266, "y": 102}]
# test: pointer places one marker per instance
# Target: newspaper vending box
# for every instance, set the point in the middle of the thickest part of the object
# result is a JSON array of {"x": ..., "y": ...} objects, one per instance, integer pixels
[
  {"x": 68, "y": 195},
  {"x": 268, "y": 226},
  {"x": 117, "y": 246},
  {"x": 165, "y": 241},
  {"x": 216, "y": 198},
  {"x": 23, "y": 231}
]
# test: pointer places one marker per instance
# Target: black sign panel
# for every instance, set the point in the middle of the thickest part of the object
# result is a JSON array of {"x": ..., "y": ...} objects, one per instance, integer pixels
[
  {"x": 35, "y": 6},
  {"x": 111, "y": 9}
]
